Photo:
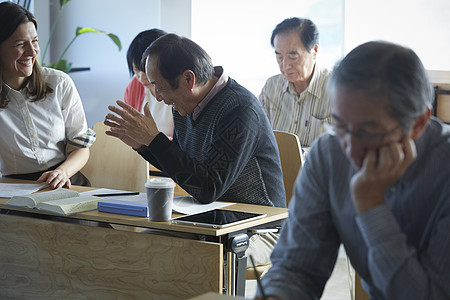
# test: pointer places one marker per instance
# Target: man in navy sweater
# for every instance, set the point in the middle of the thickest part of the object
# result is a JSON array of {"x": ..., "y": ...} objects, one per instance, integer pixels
[{"x": 223, "y": 147}]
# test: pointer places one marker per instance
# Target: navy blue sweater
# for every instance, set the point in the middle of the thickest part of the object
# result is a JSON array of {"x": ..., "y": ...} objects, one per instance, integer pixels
[{"x": 229, "y": 153}]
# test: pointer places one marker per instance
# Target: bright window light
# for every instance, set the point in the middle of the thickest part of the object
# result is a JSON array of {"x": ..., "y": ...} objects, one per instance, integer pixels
[{"x": 236, "y": 34}]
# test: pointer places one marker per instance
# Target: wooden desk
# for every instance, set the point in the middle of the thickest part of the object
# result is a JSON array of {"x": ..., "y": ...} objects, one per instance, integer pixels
[
  {"x": 214, "y": 296},
  {"x": 43, "y": 257}
]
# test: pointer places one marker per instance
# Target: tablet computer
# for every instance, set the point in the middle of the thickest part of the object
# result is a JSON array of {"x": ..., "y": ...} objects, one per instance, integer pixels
[{"x": 217, "y": 218}]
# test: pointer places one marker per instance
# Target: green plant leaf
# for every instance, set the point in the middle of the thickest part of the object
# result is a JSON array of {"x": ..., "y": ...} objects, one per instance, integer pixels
[
  {"x": 113, "y": 37},
  {"x": 62, "y": 65},
  {"x": 62, "y": 3}
]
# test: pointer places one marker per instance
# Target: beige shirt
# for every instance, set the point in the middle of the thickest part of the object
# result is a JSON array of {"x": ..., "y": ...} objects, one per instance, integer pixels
[{"x": 304, "y": 114}]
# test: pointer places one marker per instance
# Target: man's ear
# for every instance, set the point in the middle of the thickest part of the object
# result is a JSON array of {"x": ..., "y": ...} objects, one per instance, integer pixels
[
  {"x": 420, "y": 124},
  {"x": 314, "y": 50},
  {"x": 189, "y": 79}
]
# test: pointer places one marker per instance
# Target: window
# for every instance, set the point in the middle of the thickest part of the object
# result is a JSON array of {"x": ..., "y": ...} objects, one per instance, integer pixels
[
  {"x": 422, "y": 25},
  {"x": 236, "y": 34}
]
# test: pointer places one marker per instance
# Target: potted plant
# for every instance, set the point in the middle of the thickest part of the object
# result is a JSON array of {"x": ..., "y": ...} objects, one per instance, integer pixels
[{"x": 61, "y": 63}]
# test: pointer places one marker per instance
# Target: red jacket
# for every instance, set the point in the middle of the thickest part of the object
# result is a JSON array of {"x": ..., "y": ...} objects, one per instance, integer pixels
[{"x": 134, "y": 94}]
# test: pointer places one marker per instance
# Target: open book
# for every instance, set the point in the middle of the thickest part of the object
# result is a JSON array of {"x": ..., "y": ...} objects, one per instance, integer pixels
[{"x": 59, "y": 201}]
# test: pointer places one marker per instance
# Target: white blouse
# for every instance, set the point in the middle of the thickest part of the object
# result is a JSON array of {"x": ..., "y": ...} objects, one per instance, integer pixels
[
  {"x": 161, "y": 113},
  {"x": 34, "y": 135}
]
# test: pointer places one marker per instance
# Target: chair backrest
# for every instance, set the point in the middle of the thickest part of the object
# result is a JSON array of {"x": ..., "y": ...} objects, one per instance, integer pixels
[
  {"x": 291, "y": 162},
  {"x": 291, "y": 159},
  {"x": 112, "y": 164}
]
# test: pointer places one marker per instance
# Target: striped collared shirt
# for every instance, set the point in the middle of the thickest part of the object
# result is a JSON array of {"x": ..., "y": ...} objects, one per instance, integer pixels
[{"x": 302, "y": 114}]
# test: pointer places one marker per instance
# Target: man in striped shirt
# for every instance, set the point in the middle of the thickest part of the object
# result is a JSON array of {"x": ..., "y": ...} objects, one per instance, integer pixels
[{"x": 296, "y": 100}]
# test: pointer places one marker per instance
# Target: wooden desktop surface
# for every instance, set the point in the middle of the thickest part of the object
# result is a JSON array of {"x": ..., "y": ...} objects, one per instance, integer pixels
[
  {"x": 45, "y": 258},
  {"x": 273, "y": 214}
]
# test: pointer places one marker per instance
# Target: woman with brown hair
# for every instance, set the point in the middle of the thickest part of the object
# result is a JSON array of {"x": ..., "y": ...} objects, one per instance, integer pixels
[{"x": 44, "y": 131}]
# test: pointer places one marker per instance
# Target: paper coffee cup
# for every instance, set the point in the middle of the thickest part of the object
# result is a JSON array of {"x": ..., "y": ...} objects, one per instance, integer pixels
[{"x": 160, "y": 198}]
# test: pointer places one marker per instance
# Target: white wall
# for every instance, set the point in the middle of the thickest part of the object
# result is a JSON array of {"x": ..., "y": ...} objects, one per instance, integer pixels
[
  {"x": 108, "y": 75},
  {"x": 176, "y": 16},
  {"x": 41, "y": 10},
  {"x": 423, "y": 25}
]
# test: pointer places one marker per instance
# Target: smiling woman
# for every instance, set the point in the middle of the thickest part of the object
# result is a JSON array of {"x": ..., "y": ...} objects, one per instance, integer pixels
[
  {"x": 19, "y": 48},
  {"x": 18, "y": 54},
  {"x": 44, "y": 131}
]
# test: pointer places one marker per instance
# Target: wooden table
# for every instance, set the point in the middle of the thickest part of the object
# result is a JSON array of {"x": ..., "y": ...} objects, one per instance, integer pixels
[{"x": 43, "y": 256}]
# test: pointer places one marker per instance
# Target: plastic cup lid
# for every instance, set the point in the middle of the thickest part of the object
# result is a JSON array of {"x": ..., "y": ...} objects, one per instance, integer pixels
[{"x": 160, "y": 182}]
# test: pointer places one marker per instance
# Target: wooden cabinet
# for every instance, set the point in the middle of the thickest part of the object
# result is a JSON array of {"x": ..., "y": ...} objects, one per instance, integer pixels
[
  {"x": 442, "y": 102},
  {"x": 441, "y": 83}
]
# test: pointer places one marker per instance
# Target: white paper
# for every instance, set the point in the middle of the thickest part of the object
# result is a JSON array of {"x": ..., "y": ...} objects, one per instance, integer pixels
[
  {"x": 142, "y": 197},
  {"x": 7, "y": 190},
  {"x": 188, "y": 205},
  {"x": 181, "y": 204}
]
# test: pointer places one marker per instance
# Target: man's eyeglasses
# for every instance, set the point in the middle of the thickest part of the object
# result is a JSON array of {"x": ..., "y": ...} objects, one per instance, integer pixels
[{"x": 340, "y": 131}]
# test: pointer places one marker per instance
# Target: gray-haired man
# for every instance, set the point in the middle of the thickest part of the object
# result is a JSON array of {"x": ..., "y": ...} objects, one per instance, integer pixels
[{"x": 380, "y": 185}]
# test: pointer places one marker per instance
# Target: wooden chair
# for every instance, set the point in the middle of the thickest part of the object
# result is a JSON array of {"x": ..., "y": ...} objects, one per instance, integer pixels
[
  {"x": 358, "y": 292},
  {"x": 112, "y": 164},
  {"x": 291, "y": 162},
  {"x": 291, "y": 159}
]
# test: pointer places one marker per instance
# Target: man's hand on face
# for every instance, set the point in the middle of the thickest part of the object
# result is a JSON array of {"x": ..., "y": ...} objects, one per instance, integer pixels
[
  {"x": 130, "y": 125},
  {"x": 380, "y": 169}
]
